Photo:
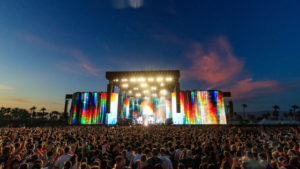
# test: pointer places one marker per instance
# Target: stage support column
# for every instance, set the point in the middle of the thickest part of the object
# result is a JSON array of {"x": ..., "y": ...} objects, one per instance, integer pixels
[
  {"x": 109, "y": 86},
  {"x": 178, "y": 97},
  {"x": 66, "y": 105},
  {"x": 66, "y": 113}
]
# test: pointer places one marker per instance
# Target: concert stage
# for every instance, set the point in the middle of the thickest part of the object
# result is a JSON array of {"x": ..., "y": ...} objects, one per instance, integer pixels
[{"x": 147, "y": 97}]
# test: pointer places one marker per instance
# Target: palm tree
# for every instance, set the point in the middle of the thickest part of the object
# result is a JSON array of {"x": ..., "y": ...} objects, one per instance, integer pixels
[
  {"x": 244, "y": 107},
  {"x": 295, "y": 107},
  {"x": 43, "y": 109},
  {"x": 33, "y": 114},
  {"x": 275, "y": 112}
]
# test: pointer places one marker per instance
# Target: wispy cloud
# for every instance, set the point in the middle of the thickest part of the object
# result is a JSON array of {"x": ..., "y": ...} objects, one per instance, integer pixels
[
  {"x": 27, "y": 101},
  {"x": 213, "y": 63},
  {"x": 20, "y": 100},
  {"x": 248, "y": 88},
  {"x": 6, "y": 87},
  {"x": 81, "y": 63}
]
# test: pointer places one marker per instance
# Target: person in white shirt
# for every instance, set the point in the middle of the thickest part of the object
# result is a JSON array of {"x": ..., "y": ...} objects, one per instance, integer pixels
[{"x": 63, "y": 158}]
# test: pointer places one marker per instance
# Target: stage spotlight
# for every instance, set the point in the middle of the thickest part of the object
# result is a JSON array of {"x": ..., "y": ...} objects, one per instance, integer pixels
[
  {"x": 124, "y": 80},
  {"x": 146, "y": 91},
  {"x": 154, "y": 95},
  {"x": 153, "y": 88},
  {"x": 168, "y": 79},
  {"x": 150, "y": 79},
  {"x": 125, "y": 85},
  {"x": 130, "y": 92},
  {"x": 144, "y": 85},
  {"x": 135, "y": 88},
  {"x": 163, "y": 92},
  {"x": 138, "y": 95},
  {"x": 116, "y": 80},
  {"x": 162, "y": 84},
  {"x": 159, "y": 79},
  {"x": 133, "y": 79},
  {"x": 141, "y": 79}
]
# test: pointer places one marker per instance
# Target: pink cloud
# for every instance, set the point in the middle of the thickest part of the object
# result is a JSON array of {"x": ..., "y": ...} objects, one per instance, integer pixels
[
  {"x": 214, "y": 64},
  {"x": 21, "y": 100},
  {"x": 248, "y": 88},
  {"x": 27, "y": 101},
  {"x": 81, "y": 60},
  {"x": 6, "y": 87}
]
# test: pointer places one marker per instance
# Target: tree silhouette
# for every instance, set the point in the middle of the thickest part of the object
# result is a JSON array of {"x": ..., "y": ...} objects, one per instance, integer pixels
[
  {"x": 295, "y": 107},
  {"x": 54, "y": 115},
  {"x": 33, "y": 113},
  {"x": 244, "y": 110},
  {"x": 276, "y": 112},
  {"x": 43, "y": 109}
]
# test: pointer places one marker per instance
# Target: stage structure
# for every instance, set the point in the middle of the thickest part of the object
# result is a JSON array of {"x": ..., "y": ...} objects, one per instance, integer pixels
[{"x": 147, "y": 97}]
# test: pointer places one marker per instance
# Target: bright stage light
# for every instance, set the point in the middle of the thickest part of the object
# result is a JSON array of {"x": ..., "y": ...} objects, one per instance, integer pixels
[
  {"x": 125, "y": 85},
  {"x": 163, "y": 92},
  {"x": 144, "y": 85},
  {"x": 141, "y": 79},
  {"x": 150, "y": 79},
  {"x": 162, "y": 84},
  {"x": 168, "y": 79},
  {"x": 138, "y": 95},
  {"x": 133, "y": 79},
  {"x": 129, "y": 91},
  {"x": 135, "y": 88},
  {"x": 116, "y": 80},
  {"x": 153, "y": 88},
  {"x": 159, "y": 79},
  {"x": 124, "y": 80},
  {"x": 154, "y": 95},
  {"x": 146, "y": 91}
]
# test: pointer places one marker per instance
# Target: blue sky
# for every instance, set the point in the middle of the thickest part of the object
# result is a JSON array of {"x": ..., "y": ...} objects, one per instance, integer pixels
[{"x": 50, "y": 48}]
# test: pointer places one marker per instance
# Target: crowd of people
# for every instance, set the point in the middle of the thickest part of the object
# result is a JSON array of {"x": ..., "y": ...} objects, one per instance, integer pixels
[{"x": 157, "y": 147}]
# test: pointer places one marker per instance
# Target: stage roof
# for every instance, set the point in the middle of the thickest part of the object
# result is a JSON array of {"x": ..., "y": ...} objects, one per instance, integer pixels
[{"x": 145, "y": 83}]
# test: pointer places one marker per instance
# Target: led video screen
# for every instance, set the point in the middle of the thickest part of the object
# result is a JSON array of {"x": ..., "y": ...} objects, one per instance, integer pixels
[
  {"x": 196, "y": 107},
  {"x": 199, "y": 107},
  {"x": 90, "y": 108},
  {"x": 145, "y": 111}
]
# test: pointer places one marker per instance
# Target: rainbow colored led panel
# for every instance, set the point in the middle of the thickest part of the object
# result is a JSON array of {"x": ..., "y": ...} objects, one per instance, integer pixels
[
  {"x": 90, "y": 108},
  {"x": 111, "y": 118},
  {"x": 199, "y": 107}
]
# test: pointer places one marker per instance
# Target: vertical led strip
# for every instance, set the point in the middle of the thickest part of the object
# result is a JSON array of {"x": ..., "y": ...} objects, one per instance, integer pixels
[{"x": 111, "y": 118}]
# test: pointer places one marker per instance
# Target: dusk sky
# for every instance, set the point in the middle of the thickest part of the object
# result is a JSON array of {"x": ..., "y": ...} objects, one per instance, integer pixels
[{"x": 50, "y": 48}]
